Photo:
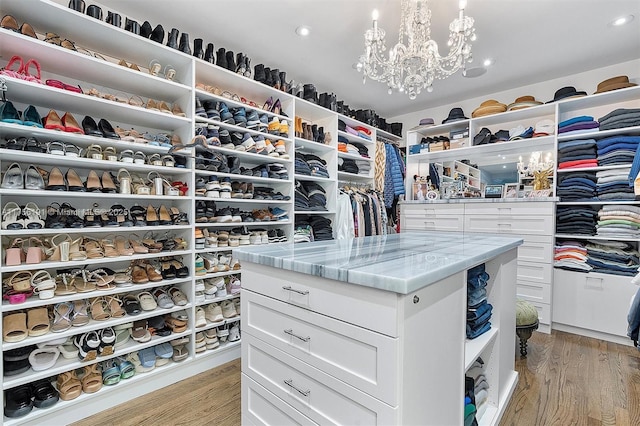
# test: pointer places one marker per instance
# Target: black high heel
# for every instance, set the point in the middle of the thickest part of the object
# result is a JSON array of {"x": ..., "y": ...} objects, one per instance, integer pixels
[{"x": 138, "y": 214}]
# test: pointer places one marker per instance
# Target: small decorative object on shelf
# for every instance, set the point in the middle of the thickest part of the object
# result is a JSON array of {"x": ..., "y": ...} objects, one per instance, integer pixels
[
  {"x": 511, "y": 190},
  {"x": 541, "y": 179},
  {"x": 493, "y": 191}
]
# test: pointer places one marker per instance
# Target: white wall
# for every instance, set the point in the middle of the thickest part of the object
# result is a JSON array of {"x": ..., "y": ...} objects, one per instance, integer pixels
[{"x": 544, "y": 91}]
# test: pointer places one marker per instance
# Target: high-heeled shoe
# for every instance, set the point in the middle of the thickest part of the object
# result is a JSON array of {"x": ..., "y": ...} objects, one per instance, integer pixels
[
  {"x": 268, "y": 104},
  {"x": 32, "y": 218},
  {"x": 92, "y": 184},
  {"x": 277, "y": 107},
  {"x": 53, "y": 121},
  {"x": 138, "y": 214},
  {"x": 137, "y": 245},
  {"x": 56, "y": 181},
  {"x": 122, "y": 246},
  {"x": 108, "y": 185},
  {"x": 152, "y": 216},
  {"x": 11, "y": 216},
  {"x": 13, "y": 177},
  {"x": 70, "y": 124},
  {"x": 164, "y": 216},
  {"x": 74, "y": 183}
]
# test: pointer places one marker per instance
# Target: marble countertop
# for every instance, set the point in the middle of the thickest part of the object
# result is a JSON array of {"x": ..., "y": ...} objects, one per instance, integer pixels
[
  {"x": 401, "y": 263},
  {"x": 482, "y": 200}
]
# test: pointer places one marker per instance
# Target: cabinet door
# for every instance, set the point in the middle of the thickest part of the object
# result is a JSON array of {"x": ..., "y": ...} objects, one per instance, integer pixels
[
  {"x": 520, "y": 225},
  {"x": 414, "y": 223},
  {"x": 540, "y": 273},
  {"x": 365, "y": 360},
  {"x": 536, "y": 251},
  {"x": 323, "y": 398},
  {"x": 593, "y": 301}
]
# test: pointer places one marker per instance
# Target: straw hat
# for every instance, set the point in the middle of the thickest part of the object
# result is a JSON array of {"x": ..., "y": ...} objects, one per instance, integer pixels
[
  {"x": 614, "y": 83},
  {"x": 488, "y": 107}
]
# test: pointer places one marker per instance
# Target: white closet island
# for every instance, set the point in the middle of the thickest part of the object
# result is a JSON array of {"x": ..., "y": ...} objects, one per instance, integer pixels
[{"x": 372, "y": 330}]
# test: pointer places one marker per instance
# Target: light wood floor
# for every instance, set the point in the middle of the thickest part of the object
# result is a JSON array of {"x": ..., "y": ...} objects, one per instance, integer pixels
[{"x": 565, "y": 380}]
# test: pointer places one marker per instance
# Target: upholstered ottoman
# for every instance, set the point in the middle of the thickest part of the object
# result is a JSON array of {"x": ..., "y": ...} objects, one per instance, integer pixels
[{"x": 526, "y": 323}]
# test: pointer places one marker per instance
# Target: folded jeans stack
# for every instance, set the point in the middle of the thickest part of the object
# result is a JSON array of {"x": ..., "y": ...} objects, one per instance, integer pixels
[
  {"x": 571, "y": 255},
  {"x": 317, "y": 165},
  {"x": 301, "y": 166},
  {"x": 613, "y": 257},
  {"x": 348, "y": 165},
  {"x": 577, "y": 125},
  {"x": 619, "y": 118},
  {"x": 320, "y": 226},
  {"x": 617, "y": 150},
  {"x": 576, "y": 220},
  {"x": 575, "y": 154},
  {"x": 310, "y": 196},
  {"x": 478, "y": 309},
  {"x": 619, "y": 221},
  {"x": 577, "y": 186}
]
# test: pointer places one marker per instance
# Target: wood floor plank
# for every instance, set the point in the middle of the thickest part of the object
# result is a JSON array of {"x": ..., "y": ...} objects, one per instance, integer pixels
[{"x": 565, "y": 380}]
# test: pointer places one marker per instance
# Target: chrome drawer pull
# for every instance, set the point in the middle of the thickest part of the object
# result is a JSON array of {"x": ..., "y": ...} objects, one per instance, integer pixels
[
  {"x": 289, "y": 288},
  {"x": 291, "y": 333},
  {"x": 301, "y": 392}
]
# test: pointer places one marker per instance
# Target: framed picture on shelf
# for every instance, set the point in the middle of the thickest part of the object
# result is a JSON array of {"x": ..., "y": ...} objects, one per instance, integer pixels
[
  {"x": 511, "y": 190},
  {"x": 526, "y": 191},
  {"x": 493, "y": 191},
  {"x": 420, "y": 190}
]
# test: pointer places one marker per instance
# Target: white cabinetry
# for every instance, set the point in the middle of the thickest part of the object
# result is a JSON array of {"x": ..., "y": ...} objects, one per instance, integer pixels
[{"x": 319, "y": 351}]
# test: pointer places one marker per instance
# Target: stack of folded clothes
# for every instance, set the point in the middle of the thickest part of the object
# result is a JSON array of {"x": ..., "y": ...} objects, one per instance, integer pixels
[
  {"x": 310, "y": 196},
  {"x": 364, "y": 167},
  {"x": 352, "y": 149},
  {"x": 301, "y": 166},
  {"x": 619, "y": 118},
  {"x": 577, "y": 125},
  {"x": 470, "y": 409},
  {"x": 619, "y": 220},
  {"x": 613, "y": 185},
  {"x": 617, "y": 150},
  {"x": 613, "y": 257},
  {"x": 476, "y": 392},
  {"x": 575, "y": 154},
  {"x": 347, "y": 165},
  {"x": 478, "y": 309},
  {"x": 579, "y": 220},
  {"x": 577, "y": 186},
  {"x": 359, "y": 131},
  {"x": 319, "y": 227},
  {"x": 361, "y": 149},
  {"x": 311, "y": 165},
  {"x": 571, "y": 255}
]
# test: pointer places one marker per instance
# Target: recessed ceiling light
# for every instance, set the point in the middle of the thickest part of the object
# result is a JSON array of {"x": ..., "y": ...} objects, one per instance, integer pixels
[
  {"x": 621, "y": 21},
  {"x": 303, "y": 30},
  {"x": 474, "y": 72},
  {"x": 488, "y": 62}
]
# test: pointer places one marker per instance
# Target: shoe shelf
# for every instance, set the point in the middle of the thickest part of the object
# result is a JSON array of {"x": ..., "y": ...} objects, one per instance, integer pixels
[
  {"x": 249, "y": 156},
  {"x": 92, "y": 71},
  {"x": 387, "y": 136},
  {"x": 634, "y": 130},
  {"x": 244, "y": 87},
  {"x": 34, "y": 302},
  {"x": 204, "y": 96},
  {"x": 236, "y": 224},
  {"x": 48, "y": 97},
  {"x": 611, "y": 100},
  {"x": 217, "y": 300},
  {"x": 310, "y": 178},
  {"x": 243, "y": 200},
  {"x": 47, "y": 264},
  {"x": 213, "y": 249},
  {"x": 354, "y": 138},
  {"x": 91, "y": 230},
  {"x": 239, "y": 177},
  {"x": 217, "y": 324},
  {"x": 312, "y": 112},
  {"x": 597, "y": 168},
  {"x": 218, "y": 274},
  {"x": 346, "y": 176},
  {"x": 93, "y": 325},
  {"x": 223, "y": 346},
  {"x": 78, "y": 194},
  {"x": 595, "y": 237},
  {"x": 234, "y": 128},
  {"x": 353, "y": 156},
  {"x": 64, "y": 364},
  {"x": 312, "y": 147}
]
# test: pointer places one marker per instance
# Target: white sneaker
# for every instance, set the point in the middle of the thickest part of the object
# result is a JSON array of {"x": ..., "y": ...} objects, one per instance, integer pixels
[{"x": 234, "y": 333}]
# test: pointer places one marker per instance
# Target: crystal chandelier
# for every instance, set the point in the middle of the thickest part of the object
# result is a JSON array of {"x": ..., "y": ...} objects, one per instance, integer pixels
[{"x": 412, "y": 65}]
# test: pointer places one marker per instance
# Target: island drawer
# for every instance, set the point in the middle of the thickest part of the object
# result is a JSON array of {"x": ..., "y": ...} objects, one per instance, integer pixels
[
  {"x": 262, "y": 408},
  {"x": 541, "y": 273},
  {"x": 434, "y": 223},
  {"x": 432, "y": 210},
  {"x": 366, "y": 307},
  {"x": 511, "y": 209},
  {"x": 364, "y": 359},
  {"x": 317, "y": 395},
  {"x": 521, "y": 225}
]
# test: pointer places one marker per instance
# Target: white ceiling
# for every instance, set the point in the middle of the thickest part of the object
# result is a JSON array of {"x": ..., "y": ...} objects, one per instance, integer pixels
[{"x": 530, "y": 40}]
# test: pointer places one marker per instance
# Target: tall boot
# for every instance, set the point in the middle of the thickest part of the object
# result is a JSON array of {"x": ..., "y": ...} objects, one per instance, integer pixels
[
  {"x": 283, "y": 81},
  {"x": 314, "y": 132},
  {"x": 322, "y": 100},
  {"x": 221, "y": 58},
  {"x": 172, "y": 40},
  {"x": 258, "y": 73},
  {"x": 268, "y": 80},
  {"x": 320, "y": 135},
  {"x": 157, "y": 34},
  {"x": 247, "y": 66},
  {"x": 209, "y": 54},
  {"x": 132, "y": 26},
  {"x": 231, "y": 62},
  {"x": 275, "y": 77},
  {"x": 145, "y": 29},
  {"x": 240, "y": 67},
  {"x": 197, "y": 48},
  {"x": 309, "y": 93},
  {"x": 184, "y": 44},
  {"x": 333, "y": 102},
  {"x": 113, "y": 19}
]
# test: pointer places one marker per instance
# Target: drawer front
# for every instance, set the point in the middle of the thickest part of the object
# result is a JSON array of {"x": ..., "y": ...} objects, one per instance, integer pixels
[
  {"x": 322, "y": 398},
  {"x": 532, "y": 251},
  {"x": 508, "y": 209},
  {"x": 262, "y": 408},
  {"x": 540, "y": 273},
  {"x": 439, "y": 223},
  {"x": 544, "y": 312},
  {"x": 431, "y": 210},
  {"x": 366, "y": 360},
  {"x": 534, "y": 292},
  {"x": 363, "y": 306},
  {"x": 598, "y": 302},
  {"x": 521, "y": 225}
]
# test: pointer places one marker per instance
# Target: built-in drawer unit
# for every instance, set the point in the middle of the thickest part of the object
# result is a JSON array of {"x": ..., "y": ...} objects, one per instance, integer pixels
[
  {"x": 536, "y": 248},
  {"x": 534, "y": 292},
  {"x": 540, "y": 273},
  {"x": 361, "y": 358},
  {"x": 509, "y": 225}
]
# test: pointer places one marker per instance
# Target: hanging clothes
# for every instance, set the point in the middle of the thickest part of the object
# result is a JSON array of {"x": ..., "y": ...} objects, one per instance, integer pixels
[
  {"x": 394, "y": 175},
  {"x": 380, "y": 163},
  {"x": 344, "y": 217}
]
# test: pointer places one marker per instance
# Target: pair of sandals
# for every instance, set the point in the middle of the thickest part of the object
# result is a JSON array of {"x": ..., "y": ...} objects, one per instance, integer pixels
[
  {"x": 19, "y": 69},
  {"x": 27, "y": 217}
]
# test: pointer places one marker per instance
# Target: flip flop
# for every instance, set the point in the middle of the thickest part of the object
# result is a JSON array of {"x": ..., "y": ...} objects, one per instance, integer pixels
[
  {"x": 163, "y": 350},
  {"x": 147, "y": 357},
  {"x": 111, "y": 373}
]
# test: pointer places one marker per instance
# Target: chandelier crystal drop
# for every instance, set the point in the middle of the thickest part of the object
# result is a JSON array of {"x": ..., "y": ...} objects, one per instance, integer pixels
[{"x": 414, "y": 62}]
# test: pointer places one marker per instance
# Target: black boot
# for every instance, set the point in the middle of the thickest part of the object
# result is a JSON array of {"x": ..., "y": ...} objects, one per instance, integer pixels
[
  {"x": 339, "y": 105},
  {"x": 258, "y": 73},
  {"x": 132, "y": 26},
  {"x": 172, "y": 40},
  {"x": 77, "y": 5},
  {"x": 184, "y": 44},
  {"x": 247, "y": 66},
  {"x": 322, "y": 100},
  {"x": 314, "y": 132},
  {"x": 396, "y": 129},
  {"x": 231, "y": 62},
  {"x": 157, "y": 34},
  {"x": 283, "y": 81},
  {"x": 333, "y": 102},
  {"x": 113, "y": 19},
  {"x": 197, "y": 48},
  {"x": 145, "y": 29},
  {"x": 275, "y": 77},
  {"x": 221, "y": 58},
  {"x": 268, "y": 80},
  {"x": 239, "y": 64},
  {"x": 320, "y": 135},
  {"x": 309, "y": 93},
  {"x": 209, "y": 55}
]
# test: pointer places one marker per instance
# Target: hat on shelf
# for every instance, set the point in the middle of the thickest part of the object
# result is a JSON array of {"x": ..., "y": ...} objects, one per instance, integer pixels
[
  {"x": 523, "y": 102},
  {"x": 500, "y": 136},
  {"x": 614, "y": 83},
  {"x": 544, "y": 128},
  {"x": 483, "y": 137},
  {"x": 567, "y": 92},
  {"x": 520, "y": 132},
  {"x": 425, "y": 122},
  {"x": 456, "y": 114},
  {"x": 489, "y": 107}
]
